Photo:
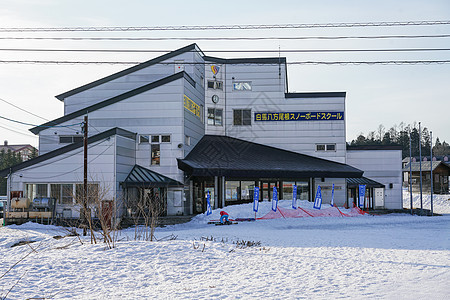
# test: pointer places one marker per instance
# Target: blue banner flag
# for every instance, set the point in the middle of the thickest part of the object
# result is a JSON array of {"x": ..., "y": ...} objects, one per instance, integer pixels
[
  {"x": 256, "y": 199},
  {"x": 294, "y": 197},
  {"x": 274, "y": 199},
  {"x": 362, "y": 193},
  {"x": 318, "y": 199},
  {"x": 332, "y": 196},
  {"x": 208, "y": 203}
]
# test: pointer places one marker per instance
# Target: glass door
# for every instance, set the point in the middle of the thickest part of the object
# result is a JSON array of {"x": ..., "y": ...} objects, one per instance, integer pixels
[{"x": 267, "y": 189}]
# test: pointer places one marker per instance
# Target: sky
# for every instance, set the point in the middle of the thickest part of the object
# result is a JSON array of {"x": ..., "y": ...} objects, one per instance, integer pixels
[{"x": 376, "y": 94}]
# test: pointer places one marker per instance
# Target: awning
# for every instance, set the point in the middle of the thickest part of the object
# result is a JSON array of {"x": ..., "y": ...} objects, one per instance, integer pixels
[
  {"x": 142, "y": 177},
  {"x": 355, "y": 182},
  {"x": 216, "y": 155}
]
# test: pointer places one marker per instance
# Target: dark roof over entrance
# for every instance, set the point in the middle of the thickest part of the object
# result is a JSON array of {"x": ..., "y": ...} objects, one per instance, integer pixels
[
  {"x": 142, "y": 177},
  {"x": 216, "y": 155},
  {"x": 354, "y": 182}
]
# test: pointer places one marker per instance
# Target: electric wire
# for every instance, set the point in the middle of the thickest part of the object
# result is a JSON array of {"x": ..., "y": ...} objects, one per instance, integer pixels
[
  {"x": 382, "y": 62},
  {"x": 24, "y": 123},
  {"x": 228, "y": 51},
  {"x": 33, "y": 114},
  {"x": 228, "y": 38},
  {"x": 67, "y": 156},
  {"x": 224, "y": 27}
]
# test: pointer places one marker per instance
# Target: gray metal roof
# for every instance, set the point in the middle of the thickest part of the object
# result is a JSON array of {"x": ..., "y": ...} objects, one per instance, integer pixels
[
  {"x": 415, "y": 166},
  {"x": 65, "y": 149},
  {"x": 216, "y": 155},
  {"x": 354, "y": 182},
  {"x": 143, "y": 177},
  {"x": 113, "y": 100}
]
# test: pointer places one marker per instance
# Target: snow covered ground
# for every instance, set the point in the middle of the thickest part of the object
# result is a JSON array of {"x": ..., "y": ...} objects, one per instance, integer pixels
[{"x": 383, "y": 257}]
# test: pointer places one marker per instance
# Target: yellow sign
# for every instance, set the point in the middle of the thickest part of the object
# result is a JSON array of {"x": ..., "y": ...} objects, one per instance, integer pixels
[{"x": 192, "y": 107}]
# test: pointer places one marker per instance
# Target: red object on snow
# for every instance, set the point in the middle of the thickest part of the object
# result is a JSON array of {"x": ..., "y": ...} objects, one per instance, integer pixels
[{"x": 222, "y": 213}]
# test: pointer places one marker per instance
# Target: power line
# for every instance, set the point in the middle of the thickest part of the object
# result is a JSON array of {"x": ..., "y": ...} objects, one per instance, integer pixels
[
  {"x": 23, "y": 109},
  {"x": 23, "y": 123},
  {"x": 385, "y": 62},
  {"x": 223, "y": 27},
  {"x": 227, "y": 51},
  {"x": 229, "y": 38}
]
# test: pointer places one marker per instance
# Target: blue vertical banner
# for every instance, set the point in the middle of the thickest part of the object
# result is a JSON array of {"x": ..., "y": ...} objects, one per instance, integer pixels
[
  {"x": 275, "y": 199},
  {"x": 256, "y": 199},
  {"x": 332, "y": 196},
  {"x": 208, "y": 203},
  {"x": 318, "y": 199},
  {"x": 294, "y": 197},
  {"x": 362, "y": 194}
]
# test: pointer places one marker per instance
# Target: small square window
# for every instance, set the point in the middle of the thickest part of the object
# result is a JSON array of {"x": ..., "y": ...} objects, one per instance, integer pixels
[
  {"x": 165, "y": 139},
  {"x": 242, "y": 117},
  {"x": 144, "y": 139},
  {"x": 215, "y": 116},
  {"x": 155, "y": 138},
  {"x": 65, "y": 139},
  {"x": 216, "y": 85},
  {"x": 331, "y": 147},
  {"x": 320, "y": 147},
  {"x": 242, "y": 86}
]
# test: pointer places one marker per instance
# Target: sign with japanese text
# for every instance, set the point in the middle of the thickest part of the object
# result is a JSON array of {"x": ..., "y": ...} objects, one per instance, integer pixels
[
  {"x": 362, "y": 193},
  {"x": 208, "y": 203},
  {"x": 192, "y": 107},
  {"x": 299, "y": 116},
  {"x": 294, "y": 197},
  {"x": 256, "y": 199},
  {"x": 274, "y": 199},
  {"x": 318, "y": 199}
]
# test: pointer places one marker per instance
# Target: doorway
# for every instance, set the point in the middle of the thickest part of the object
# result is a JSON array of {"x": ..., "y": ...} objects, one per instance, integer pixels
[{"x": 266, "y": 188}]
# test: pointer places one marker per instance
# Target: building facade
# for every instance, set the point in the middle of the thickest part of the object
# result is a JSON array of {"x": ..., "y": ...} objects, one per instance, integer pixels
[{"x": 184, "y": 127}]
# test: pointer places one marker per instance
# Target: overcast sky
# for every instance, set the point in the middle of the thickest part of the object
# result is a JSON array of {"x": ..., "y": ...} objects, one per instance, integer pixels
[{"x": 376, "y": 94}]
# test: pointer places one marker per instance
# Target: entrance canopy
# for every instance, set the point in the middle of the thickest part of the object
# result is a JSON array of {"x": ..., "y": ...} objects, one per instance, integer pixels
[
  {"x": 355, "y": 182},
  {"x": 216, "y": 155},
  {"x": 142, "y": 177}
]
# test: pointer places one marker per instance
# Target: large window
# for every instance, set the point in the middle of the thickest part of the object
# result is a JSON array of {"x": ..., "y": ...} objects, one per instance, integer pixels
[
  {"x": 36, "y": 191},
  {"x": 239, "y": 191},
  {"x": 242, "y": 117},
  {"x": 92, "y": 193},
  {"x": 156, "y": 154},
  {"x": 288, "y": 189},
  {"x": 215, "y": 116},
  {"x": 63, "y": 193}
]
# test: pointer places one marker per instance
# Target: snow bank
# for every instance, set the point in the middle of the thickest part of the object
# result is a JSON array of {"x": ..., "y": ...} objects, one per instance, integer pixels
[
  {"x": 441, "y": 203},
  {"x": 385, "y": 257}
]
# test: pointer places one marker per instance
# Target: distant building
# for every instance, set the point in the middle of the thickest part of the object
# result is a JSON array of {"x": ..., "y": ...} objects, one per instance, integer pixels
[
  {"x": 441, "y": 172},
  {"x": 25, "y": 150}
]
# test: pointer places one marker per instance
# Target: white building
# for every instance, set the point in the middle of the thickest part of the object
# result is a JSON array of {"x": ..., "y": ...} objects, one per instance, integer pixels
[{"x": 183, "y": 124}]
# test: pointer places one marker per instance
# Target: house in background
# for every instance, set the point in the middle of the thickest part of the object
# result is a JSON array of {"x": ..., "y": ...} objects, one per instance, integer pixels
[
  {"x": 185, "y": 128},
  {"x": 25, "y": 150},
  {"x": 441, "y": 173}
]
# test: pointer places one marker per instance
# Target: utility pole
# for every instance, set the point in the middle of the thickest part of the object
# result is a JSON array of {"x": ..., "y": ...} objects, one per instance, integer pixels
[
  {"x": 420, "y": 169},
  {"x": 410, "y": 174},
  {"x": 85, "y": 165},
  {"x": 431, "y": 169}
]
